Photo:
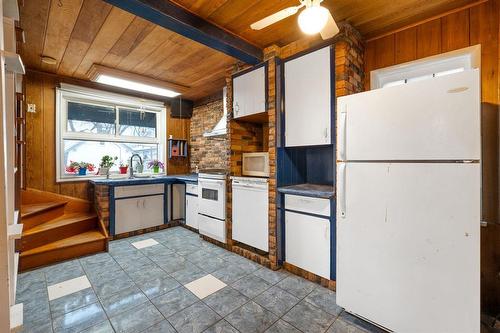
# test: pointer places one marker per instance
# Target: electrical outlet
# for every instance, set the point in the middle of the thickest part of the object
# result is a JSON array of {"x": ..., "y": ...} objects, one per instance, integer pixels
[{"x": 31, "y": 108}]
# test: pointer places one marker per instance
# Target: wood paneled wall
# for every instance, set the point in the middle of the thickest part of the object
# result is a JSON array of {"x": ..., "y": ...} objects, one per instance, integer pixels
[
  {"x": 472, "y": 26},
  {"x": 41, "y": 138}
]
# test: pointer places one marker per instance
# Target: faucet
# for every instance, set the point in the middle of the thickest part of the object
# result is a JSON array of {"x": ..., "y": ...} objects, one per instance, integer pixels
[{"x": 132, "y": 166}]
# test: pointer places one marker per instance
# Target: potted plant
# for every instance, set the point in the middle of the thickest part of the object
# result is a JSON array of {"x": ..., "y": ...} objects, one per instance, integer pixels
[
  {"x": 83, "y": 167},
  {"x": 123, "y": 168},
  {"x": 72, "y": 167},
  {"x": 106, "y": 163},
  {"x": 156, "y": 165}
]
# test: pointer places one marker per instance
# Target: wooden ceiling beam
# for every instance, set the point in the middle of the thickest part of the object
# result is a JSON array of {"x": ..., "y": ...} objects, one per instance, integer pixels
[{"x": 178, "y": 19}]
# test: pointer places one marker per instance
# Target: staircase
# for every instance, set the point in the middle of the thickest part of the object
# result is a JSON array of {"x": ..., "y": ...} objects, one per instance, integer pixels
[{"x": 57, "y": 228}]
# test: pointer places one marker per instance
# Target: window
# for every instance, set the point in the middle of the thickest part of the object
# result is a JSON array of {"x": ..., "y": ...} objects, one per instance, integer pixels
[
  {"x": 427, "y": 68},
  {"x": 91, "y": 124}
]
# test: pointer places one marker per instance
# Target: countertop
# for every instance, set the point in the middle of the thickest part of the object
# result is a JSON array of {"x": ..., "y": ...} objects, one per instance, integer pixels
[
  {"x": 309, "y": 190},
  {"x": 192, "y": 178}
]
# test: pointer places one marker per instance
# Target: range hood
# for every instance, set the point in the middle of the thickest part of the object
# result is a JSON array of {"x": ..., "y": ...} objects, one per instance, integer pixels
[{"x": 221, "y": 127}]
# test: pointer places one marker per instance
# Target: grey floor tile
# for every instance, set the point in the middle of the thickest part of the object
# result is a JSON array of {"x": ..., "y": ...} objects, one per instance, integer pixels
[
  {"x": 138, "y": 264},
  {"x": 271, "y": 276},
  {"x": 187, "y": 249},
  {"x": 41, "y": 326},
  {"x": 136, "y": 319},
  {"x": 221, "y": 327},
  {"x": 188, "y": 274},
  {"x": 146, "y": 274},
  {"x": 297, "y": 286},
  {"x": 161, "y": 327},
  {"x": 250, "y": 285},
  {"x": 277, "y": 300},
  {"x": 62, "y": 272},
  {"x": 358, "y": 325},
  {"x": 36, "y": 275},
  {"x": 158, "y": 249},
  {"x": 309, "y": 318},
  {"x": 108, "y": 284},
  {"x": 104, "y": 327},
  {"x": 80, "y": 319},
  {"x": 174, "y": 301},
  {"x": 251, "y": 318},
  {"x": 225, "y": 301},
  {"x": 282, "y": 327},
  {"x": 324, "y": 299},
  {"x": 123, "y": 300},
  {"x": 198, "y": 256},
  {"x": 194, "y": 319},
  {"x": 230, "y": 273},
  {"x": 158, "y": 286},
  {"x": 171, "y": 263},
  {"x": 36, "y": 309},
  {"x": 211, "y": 264},
  {"x": 71, "y": 302},
  {"x": 28, "y": 290}
]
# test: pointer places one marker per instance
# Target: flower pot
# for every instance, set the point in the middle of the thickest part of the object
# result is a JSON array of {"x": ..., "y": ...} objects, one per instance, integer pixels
[
  {"x": 123, "y": 170},
  {"x": 103, "y": 171},
  {"x": 82, "y": 171},
  {"x": 156, "y": 169}
]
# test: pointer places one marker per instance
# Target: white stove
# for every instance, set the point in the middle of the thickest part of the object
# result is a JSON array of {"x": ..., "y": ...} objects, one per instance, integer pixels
[{"x": 212, "y": 204}]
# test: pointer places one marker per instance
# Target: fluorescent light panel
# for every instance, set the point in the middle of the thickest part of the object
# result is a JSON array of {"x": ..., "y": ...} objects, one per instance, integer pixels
[{"x": 133, "y": 85}]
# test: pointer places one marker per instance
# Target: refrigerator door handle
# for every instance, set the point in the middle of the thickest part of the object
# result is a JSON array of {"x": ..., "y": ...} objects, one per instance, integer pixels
[
  {"x": 341, "y": 195},
  {"x": 342, "y": 134}
]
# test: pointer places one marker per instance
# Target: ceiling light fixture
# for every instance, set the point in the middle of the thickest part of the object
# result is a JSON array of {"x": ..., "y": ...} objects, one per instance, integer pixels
[
  {"x": 117, "y": 78},
  {"x": 49, "y": 60},
  {"x": 313, "y": 19}
]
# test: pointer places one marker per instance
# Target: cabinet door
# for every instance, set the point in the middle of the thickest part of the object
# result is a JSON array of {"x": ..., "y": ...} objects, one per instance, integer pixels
[
  {"x": 152, "y": 209},
  {"x": 307, "y": 243},
  {"x": 178, "y": 194},
  {"x": 249, "y": 93},
  {"x": 192, "y": 211},
  {"x": 308, "y": 96},
  {"x": 128, "y": 215}
]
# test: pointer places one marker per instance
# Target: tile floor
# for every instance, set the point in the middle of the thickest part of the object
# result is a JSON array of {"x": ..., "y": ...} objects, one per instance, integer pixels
[{"x": 172, "y": 281}]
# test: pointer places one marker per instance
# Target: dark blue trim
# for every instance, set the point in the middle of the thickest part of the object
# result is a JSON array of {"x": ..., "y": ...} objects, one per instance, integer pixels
[
  {"x": 333, "y": 240},
  {"x": 175, "y": 18},
  {"x": 306, "y": 213},
  {"x": 112, "y": 210},
  {"x": 165, "y": 206}
]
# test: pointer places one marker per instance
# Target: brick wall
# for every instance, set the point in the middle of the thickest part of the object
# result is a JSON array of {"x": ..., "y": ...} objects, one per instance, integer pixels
[{"x": 211, "y": 152}]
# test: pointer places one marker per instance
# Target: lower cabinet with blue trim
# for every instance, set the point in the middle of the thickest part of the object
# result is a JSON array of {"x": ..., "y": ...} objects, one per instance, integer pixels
[
  {"x": 138, "y": 207},
  {"x": 309, "y": 235}
]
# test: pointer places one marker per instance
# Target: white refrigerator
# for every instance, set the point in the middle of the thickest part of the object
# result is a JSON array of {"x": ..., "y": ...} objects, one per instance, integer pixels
[{"x": 408, "y": 205}]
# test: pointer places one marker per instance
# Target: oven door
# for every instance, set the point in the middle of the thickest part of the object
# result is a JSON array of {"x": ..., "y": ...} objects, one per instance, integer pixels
[{"x": 212, "y": 198}]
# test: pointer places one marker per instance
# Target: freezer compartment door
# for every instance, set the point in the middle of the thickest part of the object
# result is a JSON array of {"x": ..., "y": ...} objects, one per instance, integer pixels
[
  {"x": 434, "y": 119},
  {"x": 408, "y": 245}
]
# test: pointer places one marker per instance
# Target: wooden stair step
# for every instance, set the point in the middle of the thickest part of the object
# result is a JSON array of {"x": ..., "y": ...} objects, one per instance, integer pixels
[
  {"x": 68, "y": 248},
  {"x": 37, "y": 208},
  {"x": 64, "y": 226}
]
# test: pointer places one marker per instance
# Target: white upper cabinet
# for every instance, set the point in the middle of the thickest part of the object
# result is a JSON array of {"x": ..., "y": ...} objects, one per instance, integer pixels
[
  {"x": 308, "y": 99},
  {"x": 249, "y": 93}
]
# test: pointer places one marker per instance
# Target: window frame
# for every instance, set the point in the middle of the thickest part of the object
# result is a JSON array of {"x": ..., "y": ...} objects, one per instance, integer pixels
[{"x": 70, "y": 93}]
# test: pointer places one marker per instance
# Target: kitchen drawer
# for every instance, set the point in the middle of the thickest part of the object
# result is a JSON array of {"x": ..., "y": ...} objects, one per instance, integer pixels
[
  {"x": 192, "y": 189},
  {"x": 318, "y": 206},
  {"x": 212, "y": 228},
  {"x": 138, "y": 190}
]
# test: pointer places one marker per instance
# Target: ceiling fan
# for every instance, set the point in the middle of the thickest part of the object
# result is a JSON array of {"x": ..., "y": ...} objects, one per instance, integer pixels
[{"x": 313, "y": 19}]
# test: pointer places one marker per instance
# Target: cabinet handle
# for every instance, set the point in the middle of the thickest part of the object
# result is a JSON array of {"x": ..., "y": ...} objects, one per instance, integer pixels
[
  {"x": 236, "y": 108},
  {"x": 326, "y": 132},
  {"x": 137, "y": 203},
  {"x": 144, "y": 203}
]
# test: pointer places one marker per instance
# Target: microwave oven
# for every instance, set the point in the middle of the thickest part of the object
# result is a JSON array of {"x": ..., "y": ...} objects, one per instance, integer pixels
[{"x": 255, "y": 164}]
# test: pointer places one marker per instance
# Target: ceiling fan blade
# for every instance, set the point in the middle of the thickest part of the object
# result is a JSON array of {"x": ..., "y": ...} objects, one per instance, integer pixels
[
  {"x": 271, "y": 19},
  {"x": 330, "y": 29}
]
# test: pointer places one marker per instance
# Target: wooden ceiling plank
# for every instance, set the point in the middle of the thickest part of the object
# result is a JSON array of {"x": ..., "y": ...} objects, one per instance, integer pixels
[
  {"x": 59, "y": 28},
  {"x": 147, "y": 46},
  {"x": 34, "y": 17},
  {"x": 206, "y": 8},
  {"x": 164, "y": 52},
  {"x": 115, "y": 25},
  {"x": 92, "y": 16},
  {"x": 176, "y": 18},
  {"x": 133, "y": 36}
]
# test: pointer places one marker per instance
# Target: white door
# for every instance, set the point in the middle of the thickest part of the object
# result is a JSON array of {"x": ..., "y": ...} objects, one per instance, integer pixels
[
  {"x": 128, "y": 215},
  {"x": 152, "y": 211},
  {"x": 192, "y": 211},
  {"x": 434, "y": 119},
  {"x": 307, "y": 243},
  {"x": 250, "y": 215},
  {"x": 249, "y": 93},
  {"x": 408, "y": 245},
  {"x": 308, "y": 96}
]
